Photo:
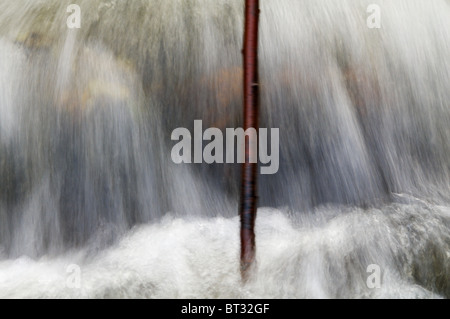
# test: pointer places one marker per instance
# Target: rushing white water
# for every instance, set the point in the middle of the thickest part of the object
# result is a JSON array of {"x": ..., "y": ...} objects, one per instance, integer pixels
[
  {"x": 324, "y": 256},
  {"x": 86, "y": 175}
]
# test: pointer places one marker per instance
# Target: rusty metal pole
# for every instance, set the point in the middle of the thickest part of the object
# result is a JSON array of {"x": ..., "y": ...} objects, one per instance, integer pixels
[{"x": 249, "y": 197}]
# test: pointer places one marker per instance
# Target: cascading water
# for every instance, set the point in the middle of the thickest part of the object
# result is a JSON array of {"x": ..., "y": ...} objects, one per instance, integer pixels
[{"x": 86, "y": 174}]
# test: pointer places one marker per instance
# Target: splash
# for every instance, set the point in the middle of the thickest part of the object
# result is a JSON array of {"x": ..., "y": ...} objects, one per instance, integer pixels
[{"x": 86, "y": 117}]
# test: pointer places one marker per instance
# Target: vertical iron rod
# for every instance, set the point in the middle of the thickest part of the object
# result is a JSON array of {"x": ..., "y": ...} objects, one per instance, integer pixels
[{"x": 249, "y": 197}]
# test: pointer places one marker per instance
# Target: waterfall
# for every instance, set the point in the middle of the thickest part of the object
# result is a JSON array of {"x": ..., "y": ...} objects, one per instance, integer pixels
[{"x": 86, "y": 116}]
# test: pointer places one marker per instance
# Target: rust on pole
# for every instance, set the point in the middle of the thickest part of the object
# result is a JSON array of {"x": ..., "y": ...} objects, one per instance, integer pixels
[{"x": 249, "y": 197}]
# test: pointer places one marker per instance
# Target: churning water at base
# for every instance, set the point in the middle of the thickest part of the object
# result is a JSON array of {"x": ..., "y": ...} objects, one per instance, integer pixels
[
  {"x": 88, "y": 186},
  {"x": 326, "y": 255}
]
